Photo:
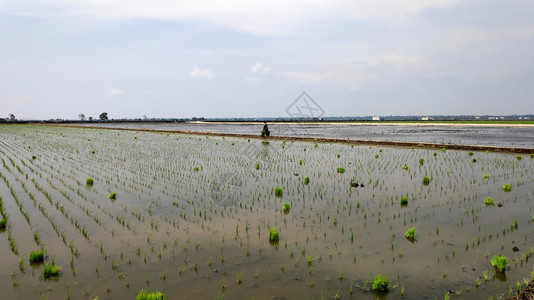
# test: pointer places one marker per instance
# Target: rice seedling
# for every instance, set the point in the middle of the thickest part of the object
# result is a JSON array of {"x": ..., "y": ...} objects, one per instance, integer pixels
[
  {"x": 507, "y": 187},
  {"x": 421, "y": 161},
  {"x": 306, "y": 180},
  {"x": 278, "y": 192},
  {"x": 36, "y": 256},
  {"x": 426, "y": 180},
  {"x": 274, "y": 235},
  {"x": 488, "y": 201},
  {"x": 3, "y": 223},
  {"x": 499, "y": 262},
  {"x": 146, "y": 295},
  {"x": 404, "y": 200},
  {"x": 112, "y": 196},
  {"x": 51, "y": 270},
  {"x": 89, "y": 181},
  {"x": 341, "y": 170},
  {"x": 380, "y": 284},
  {"x": 410, "y": 234},
  {"x": 286, "y": 207}
]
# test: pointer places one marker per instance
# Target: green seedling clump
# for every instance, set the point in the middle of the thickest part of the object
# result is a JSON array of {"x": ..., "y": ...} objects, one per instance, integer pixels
[
  {"x": 404, "y": 201},
  {"x": 488, "y": 201},
  {"x": 405, "y": 167},
  {"x": 89, "y": 181},
  {"x": 146, "y": 295},
  {"x": 196, "y": 169},
  {"x": 507, "y": 187},
  {"x": 426, "y": 180},
  {"x": 341, "y": 170},
  {"x": 51, "y": 270},
  {"x": 486, "y": 176},
  {"x": 3, "y": 223},
  {"x": 518, "y": 157},
  {"x": 278, "y": 192},
  {"x": 286, "y": 207},
  {"x": 474, "y": 160},
  {"x": 274, "y": 235},
  {"x": 37, "y": 256},
  {"x": 306, "y": 180},
  {"x": 380, "y": 284},
  {"x": 421, "y": 161},
  {"x": 470, "y": 153},
  {"x": 410, "y": 233},
  {"x": 443, "y": 149},
  {"x": 257, "y": 166},
  {"x": 531, "y": 155},
  {"x": 112, "y": 196},
  {"x": 34, "y": 157},
  {"x": 499, "y": 262}
]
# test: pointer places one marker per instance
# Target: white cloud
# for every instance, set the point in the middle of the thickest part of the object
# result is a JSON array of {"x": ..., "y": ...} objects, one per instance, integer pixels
[
  {"x": 259, "y": 68},
  {"x": 115, "y": 93},
  {"x": 274, "y": 17},
  {"x": 197, "y": 72},
  {"x": 251, "y": 79},
  {"x": 409, "y": 63}
]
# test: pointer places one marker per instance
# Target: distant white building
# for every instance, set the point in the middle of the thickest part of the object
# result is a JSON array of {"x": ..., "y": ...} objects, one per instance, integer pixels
[
  {"x": 376, "y": 118},
  {"x": 426, "y": 119}
]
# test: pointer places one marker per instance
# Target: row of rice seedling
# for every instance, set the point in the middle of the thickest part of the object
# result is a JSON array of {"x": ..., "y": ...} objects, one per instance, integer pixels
[{"x": 196, "y": 211}]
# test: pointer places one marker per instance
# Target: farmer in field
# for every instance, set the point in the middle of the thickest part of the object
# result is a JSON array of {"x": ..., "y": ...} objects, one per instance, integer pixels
[{"x": 265, "y": 132}]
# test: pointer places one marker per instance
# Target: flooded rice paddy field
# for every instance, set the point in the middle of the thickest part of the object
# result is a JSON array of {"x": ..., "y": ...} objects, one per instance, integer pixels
[
  {"x": 192, "y": 214},
  {"x": 505, "y": 136}
]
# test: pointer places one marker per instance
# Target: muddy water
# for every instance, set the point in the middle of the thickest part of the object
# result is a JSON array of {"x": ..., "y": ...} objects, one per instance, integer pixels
[
  {"x": 194, "y": 233},
  {"x": 454, "y": 134}
]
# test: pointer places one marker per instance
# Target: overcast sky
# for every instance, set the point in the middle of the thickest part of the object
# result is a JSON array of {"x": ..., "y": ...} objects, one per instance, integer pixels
[{"x": 242, "y": 58}]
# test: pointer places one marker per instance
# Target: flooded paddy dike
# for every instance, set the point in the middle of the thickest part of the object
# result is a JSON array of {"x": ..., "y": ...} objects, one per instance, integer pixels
[
  {"x": 192, "y": 214},
  {"x": 480, "y": 134}
]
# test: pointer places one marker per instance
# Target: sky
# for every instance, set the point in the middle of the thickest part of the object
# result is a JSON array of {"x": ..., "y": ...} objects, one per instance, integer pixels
[{"x": 242, "y": 58}]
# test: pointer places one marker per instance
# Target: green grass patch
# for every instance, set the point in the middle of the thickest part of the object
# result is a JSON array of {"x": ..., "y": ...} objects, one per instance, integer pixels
[
  {"x": 274, "y": 235},
  {"x": 51, "y": 270},
  {"x": 278, "y": 192},
  {"x": 380, "y": 284},
  {"x": 410, "y": 233},
  {"x": 37, "y": 256},
  {"x": 286, "y": 207},
  {"x": 499, "y": 262},
  {"x": 146, "y": 295}
]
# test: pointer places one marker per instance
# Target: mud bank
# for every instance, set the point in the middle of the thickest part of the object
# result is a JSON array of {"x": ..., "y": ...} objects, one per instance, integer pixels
[{"x": 478, "y": 148}]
